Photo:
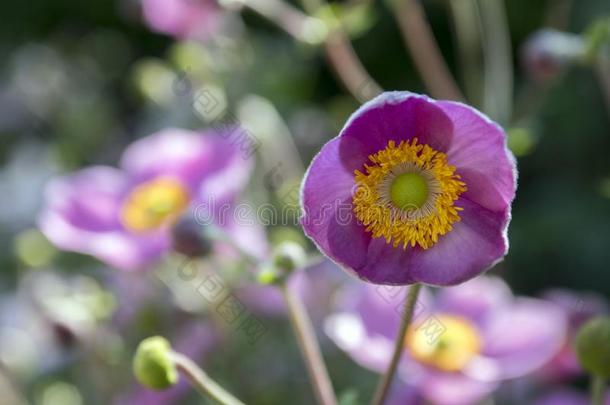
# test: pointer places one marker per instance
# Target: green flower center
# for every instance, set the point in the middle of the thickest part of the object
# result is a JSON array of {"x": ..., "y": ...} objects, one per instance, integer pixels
[{"x": 409, "y": 191}]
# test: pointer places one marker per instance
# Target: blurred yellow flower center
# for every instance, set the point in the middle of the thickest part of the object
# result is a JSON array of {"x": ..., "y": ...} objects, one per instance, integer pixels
[
  {"x": 153, "y": 204},
  {"x": 446, "y": 342},
  {"x": 407, "y": 193}
]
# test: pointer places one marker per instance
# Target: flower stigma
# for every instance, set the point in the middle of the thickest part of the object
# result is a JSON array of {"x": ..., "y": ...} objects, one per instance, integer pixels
[{"x": 409, "y": 190}]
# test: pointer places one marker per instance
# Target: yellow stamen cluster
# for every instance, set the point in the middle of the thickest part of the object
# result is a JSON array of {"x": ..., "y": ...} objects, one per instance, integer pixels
[
  {"x": 153, "y": 204},
  {"x": 417, "y": 225}
]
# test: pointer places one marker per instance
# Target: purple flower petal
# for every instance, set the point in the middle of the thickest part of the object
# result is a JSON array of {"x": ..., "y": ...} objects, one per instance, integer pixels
[
  {"x": 477, "y": 148},
  {"x": 454, "y": 389},
  {"x": 210, "y": 165},
  {"x": 479, "y": 152},
  {"x": 403, "y": 394},
  {"x": 174, "y": 152},
  {"x": 326, "y": 195},
  {"x": 370, "y": 351},
  {"x": 89, "y": 199},
  {"x": 476, "y": 299},
  {"x": 566, "y": 396},
  {"x": 119, "y": 249},
  {"x": 474, "y": 245},
  {"x": 82, "y": 215},
  {"x": 182, "y": 18},
  {"x": 399, "y": 116},
  {"x": 367, "y": 322},
  {"x": 579, "y": 306},
  {"x": 241, "y": 226},
  {"x": 522, "y": 337}
]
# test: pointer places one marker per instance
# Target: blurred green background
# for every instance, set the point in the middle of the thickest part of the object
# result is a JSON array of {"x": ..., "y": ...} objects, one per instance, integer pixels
[{"x": 80, "y": 80}]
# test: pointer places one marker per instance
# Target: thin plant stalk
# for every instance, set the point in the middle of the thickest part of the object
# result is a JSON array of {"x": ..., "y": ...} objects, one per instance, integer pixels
[
  {"x": 498, "y": 61},
  {"x": 385, "y": 383},
  {"x": 202, "y": 382},
  {"x": 289, "y": 18},
  {"x": 348, "y": 68},
  {"x": 598, "y": 390},
  {"x": 339, "y": 50},
  {"x": 424, "y": 50},
  {"x": 602, "y": 68},
  {"x": 467, "y": 25},
  {"x": 343, "y": 59},
  {"x": 308, "y": 344}
]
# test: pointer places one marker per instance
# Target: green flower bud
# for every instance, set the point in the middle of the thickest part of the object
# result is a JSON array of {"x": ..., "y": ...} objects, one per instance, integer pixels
[
  {"x": 593, "y": 346},
  {"x": 521, "y": 141},
  {"x": 598, "y": 38},
  {"x": 152, "y": 364},
  {"x": 288, "y": 256},
  {"x": 268, "y": 276}
]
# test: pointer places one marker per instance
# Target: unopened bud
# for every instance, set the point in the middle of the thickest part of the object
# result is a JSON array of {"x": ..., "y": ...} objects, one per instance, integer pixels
[
  {"x": 547, "y": 52},
  {"x": 188, "y": 238},
  {"x": 593, "y": 346},
  {"x": 268, "y": 275},
  {"x": 152, "y": 364},
  {"x": 288, "y": 256},
  {"x": 598, "y": 38}
]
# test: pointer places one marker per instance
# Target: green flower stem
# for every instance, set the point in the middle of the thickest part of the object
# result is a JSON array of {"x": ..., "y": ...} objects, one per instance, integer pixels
[
  {"x": 598, "y": 390},
  {"x": 289, "y": 18},
  {"x": 383, "y": 388},
  {"x": 218, "y": 234},
  {"x": 348, "y": 68},
  {"x": 498, "y": 61},
  {"x": 424, "y": 50},
  {"x": 202, "y": 382},
  {"x": 602, "y": 69},
  {"x": 308, "y": 343},
  {"x": 465, "y": 17},
  {"x": 339, "y": 51}
]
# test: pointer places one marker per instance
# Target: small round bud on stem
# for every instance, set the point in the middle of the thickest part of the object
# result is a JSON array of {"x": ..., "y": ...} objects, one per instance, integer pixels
[
  {"x": 268, "y": 275},
  {"x": 288, "y": 256},
  {"x": 593, "y": 347},
  {"x": 153, "y": 365},
  {"x": 547, "y": 52},
  {"x": 188, "y": 238},
  {"x": 598, "y": 38}
]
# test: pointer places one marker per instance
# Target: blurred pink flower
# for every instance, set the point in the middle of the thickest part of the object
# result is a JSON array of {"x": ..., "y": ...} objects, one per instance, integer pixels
[
  {"x": 125, "y": 216},
  {"x": 464, "y": 341},
  {"x": 566, "y": 396},
  {"x": 195, "y": 19}
]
